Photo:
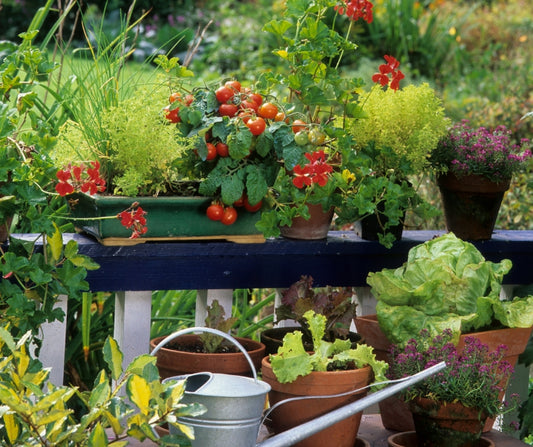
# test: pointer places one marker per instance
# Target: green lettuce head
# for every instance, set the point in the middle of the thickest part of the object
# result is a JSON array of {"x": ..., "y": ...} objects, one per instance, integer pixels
[{"x": 445, "y": 283}]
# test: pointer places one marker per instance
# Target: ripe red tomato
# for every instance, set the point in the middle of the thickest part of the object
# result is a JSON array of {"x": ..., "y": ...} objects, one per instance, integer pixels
[
  {"x": 268, "y": 111},
  {"x": 222, "y": 149},
  {"x": 281, "y": 117},
  {"x": 172, "y": 115},
  {"x": 234, "y": 85},
  {"x": 230, "y": 216},
  {"x": 256, "y": 125},
  {"x": 224, "y": 94},
  {"x": 257, "y": 98},
  {"x": 176, "y": 96},
  {"x": 298, "y": 125},
  {"x": 189, "y": 99},
  {"x": 252, "y": 208},
  {"x": 239, "y": 203},
  {"x": 228, "y": 110},
  {"x": 215, "y": 211},
  {"x": 211, "y": 151},
  {"x": 249, "y": 105}
]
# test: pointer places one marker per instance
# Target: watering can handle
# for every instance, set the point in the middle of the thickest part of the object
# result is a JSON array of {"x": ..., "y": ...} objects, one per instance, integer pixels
[{"x": 212, "y": 331}]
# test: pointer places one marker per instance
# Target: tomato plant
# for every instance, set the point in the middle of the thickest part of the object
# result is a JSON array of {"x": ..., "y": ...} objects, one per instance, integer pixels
[
  {"x": 229, "y": 216},
  {"x": 172, "y": 114},
  {"x": 298, "y": 125},
  {"x": 239, "y": 203},
  {"x": 228, "y": 110},
  {"x": 222, "y": 149},
  {"x": 301, "y": 138},
  {"x": 252, "y": 208},
  {"x": 211, "y": 151},
  {"x": 257, "y": 98},
  {"x": 215, "y": 211},
  {"x": 249, "y": 105},
  {"x": 268, "y": 111},
  {"x": 316, "y": 137},
  {"x": 224, "y": 94},
  {"x": 176, "y": 96},
  {"x": 233, "y": 85},
  {"x": 256, "y": 125}
]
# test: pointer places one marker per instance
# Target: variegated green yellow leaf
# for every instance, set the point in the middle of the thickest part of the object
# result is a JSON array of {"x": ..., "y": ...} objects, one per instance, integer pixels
[
  {"x": 12, "y": 427},
  {"x": 113, "y": 357},
  {"x": 187, "y": 430},
  {"x": 139, "y": 393},
  {"x": 55, "y": 243},
  {"x": 98, "y": 438}
]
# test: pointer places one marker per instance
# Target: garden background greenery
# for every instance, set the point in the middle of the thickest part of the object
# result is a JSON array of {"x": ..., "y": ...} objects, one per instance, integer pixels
[{"x": 476, "y": 54}]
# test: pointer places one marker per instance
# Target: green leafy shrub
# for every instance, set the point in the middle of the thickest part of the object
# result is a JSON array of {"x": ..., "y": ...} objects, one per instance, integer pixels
[{"x": 37, "y": 415}]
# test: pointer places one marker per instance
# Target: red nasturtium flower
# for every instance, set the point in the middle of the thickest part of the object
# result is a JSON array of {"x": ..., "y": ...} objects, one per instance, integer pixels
[
  {"x": 316, "y": 171},
  {"x": 356, "y": 9},
  {"x": 390, "y": 68},
  {"x": 80, "y": 178},
  {"x": 133, "y": 219}
]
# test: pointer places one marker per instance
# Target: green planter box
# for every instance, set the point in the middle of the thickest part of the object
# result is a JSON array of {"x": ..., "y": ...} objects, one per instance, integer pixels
[{"x": 167, "y": 218}]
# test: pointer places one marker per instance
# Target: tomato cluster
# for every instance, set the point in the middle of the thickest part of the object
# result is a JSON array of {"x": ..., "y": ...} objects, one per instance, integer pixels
[
  {"x": 235, "y": 101},
  {"x": 228, "y": 214},
  {"x": 172, "y": 110}
]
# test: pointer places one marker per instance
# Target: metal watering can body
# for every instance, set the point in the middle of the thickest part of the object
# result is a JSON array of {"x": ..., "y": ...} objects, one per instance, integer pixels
[{"x": 234, "y": 404}]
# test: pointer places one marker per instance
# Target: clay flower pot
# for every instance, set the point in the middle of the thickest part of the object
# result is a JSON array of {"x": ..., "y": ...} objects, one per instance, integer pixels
[
  {"x": 292, "y": 414},
  {"x": 172, "y": 362},
  {"x": 316, "y": 227}
]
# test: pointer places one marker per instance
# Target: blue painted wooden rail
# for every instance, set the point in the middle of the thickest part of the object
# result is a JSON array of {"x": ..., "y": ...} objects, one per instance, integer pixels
[{"x": 216, "y": 268}]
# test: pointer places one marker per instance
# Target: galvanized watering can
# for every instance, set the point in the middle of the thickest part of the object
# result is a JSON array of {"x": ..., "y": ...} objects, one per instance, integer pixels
[{"x": 235, "y": 404}]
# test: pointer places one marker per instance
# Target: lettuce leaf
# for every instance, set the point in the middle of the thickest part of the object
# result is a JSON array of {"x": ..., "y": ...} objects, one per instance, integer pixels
[
  {"x": 292, "y": 361},
  {"x": 445, "y": 283}
]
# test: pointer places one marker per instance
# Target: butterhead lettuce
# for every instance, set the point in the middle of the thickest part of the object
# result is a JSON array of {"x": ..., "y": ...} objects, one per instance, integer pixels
[{"x": 445, "y": 283}]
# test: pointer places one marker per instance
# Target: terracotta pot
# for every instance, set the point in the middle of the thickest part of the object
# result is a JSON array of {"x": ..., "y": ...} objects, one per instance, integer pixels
[
  {"x": 446, "y": 425},
  {"x": 292, "y": 414},
  {"x": 471, "y": 204},
  {"x": 409, "y": 439},
  {"x": 394, "y": 412},
  {"x": 172, "y": 362},
  {"x": 316, "y": 227}
]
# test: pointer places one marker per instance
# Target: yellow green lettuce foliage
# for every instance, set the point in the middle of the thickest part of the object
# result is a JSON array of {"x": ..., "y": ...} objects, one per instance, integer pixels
[
  {"x": 446, "y": 283},
  {"x": 410, "y": 121},
  {"x": 293, "y": 361}
]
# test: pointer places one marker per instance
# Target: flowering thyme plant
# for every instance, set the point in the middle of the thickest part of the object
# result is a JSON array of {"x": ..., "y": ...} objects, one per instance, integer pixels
[
  {"x": 480, "y": 151},
  {"x": 474, "y": 376}
]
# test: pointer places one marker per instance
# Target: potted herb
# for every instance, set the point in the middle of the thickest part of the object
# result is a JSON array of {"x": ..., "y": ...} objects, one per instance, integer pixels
[
  {"x": 335, "y": 303},
  {"x": 394, "y": 139},
  {"x": 191, "y": 353},
  {"x": 331, "y": 368},
  {"x": 474, "y": 168},
  {"x": 450, "y": 408}
]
